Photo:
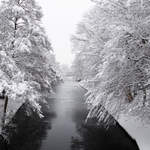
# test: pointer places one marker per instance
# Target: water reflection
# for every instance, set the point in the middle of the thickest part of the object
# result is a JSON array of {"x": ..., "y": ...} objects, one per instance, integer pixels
[
  {"x": 64, "y": 127},
  {"x": 95, "y": 137},
  {"x": 28, "y": 132},
  {"x": 92, "y": 137}
]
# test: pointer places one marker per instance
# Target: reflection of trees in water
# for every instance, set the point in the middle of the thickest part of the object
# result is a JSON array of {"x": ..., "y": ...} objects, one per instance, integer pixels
[
  {"x": 96, "y": 137},
  {"x": 29, "y": 130},
  {"x": 79, "y": 115},
  {"x": 3, "y": 143}
]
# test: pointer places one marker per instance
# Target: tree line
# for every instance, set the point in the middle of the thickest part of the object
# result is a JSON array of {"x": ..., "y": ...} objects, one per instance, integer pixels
[
  {"x": 27, "y": 62},
  {"x": 112, "y": 47}
]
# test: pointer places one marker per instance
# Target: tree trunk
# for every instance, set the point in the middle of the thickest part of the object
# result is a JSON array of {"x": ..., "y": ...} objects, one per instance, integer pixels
[
  {"x": 144, "y": 97},
  {"x": 129, "y": 94}
]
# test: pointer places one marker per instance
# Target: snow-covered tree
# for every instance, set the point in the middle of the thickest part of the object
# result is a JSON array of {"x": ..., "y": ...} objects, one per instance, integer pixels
[
  {"x": 117, "y": 34},
  {"x": 25, "y": 54}
]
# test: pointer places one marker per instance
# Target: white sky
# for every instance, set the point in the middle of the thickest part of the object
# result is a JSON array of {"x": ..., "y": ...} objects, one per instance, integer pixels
[{"x": 60, "y": 20}]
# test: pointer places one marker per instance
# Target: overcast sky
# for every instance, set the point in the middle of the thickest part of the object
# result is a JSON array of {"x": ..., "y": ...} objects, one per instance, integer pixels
[{"x": 60, "y": 20}]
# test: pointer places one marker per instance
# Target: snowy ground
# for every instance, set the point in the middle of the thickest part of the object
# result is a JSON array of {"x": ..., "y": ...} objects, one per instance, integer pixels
[{"x": 139, "y": 131}]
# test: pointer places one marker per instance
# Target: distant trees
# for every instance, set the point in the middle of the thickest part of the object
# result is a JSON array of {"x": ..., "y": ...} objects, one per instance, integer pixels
[
  {"x": 113, "y": 41},
  {"x": 27, "y": 71}
]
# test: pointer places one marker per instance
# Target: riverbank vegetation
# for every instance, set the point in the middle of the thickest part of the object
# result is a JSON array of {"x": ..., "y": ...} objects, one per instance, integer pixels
[
  {"x": 27, "y": 63},
  {"x": 112, "y": 47}
]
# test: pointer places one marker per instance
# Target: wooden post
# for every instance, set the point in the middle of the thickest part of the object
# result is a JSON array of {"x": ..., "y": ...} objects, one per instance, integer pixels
[
  {"x": 5, "y": 110},
  {"x": 5, "y": 105},
  {"x": 4, "y": 97}
]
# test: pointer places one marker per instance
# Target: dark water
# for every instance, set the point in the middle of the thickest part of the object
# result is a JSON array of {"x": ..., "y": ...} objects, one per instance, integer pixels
[{"x": 63, "y": 127}]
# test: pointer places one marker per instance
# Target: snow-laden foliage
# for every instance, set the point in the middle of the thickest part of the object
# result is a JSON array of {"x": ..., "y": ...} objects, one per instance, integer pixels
[
  {"x": 26, "y": 69},
  {"x": 112, "y": 46}
]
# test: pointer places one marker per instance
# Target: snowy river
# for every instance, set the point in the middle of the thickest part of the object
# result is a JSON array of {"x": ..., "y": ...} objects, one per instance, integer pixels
[{"x": 64, "y": 127}]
